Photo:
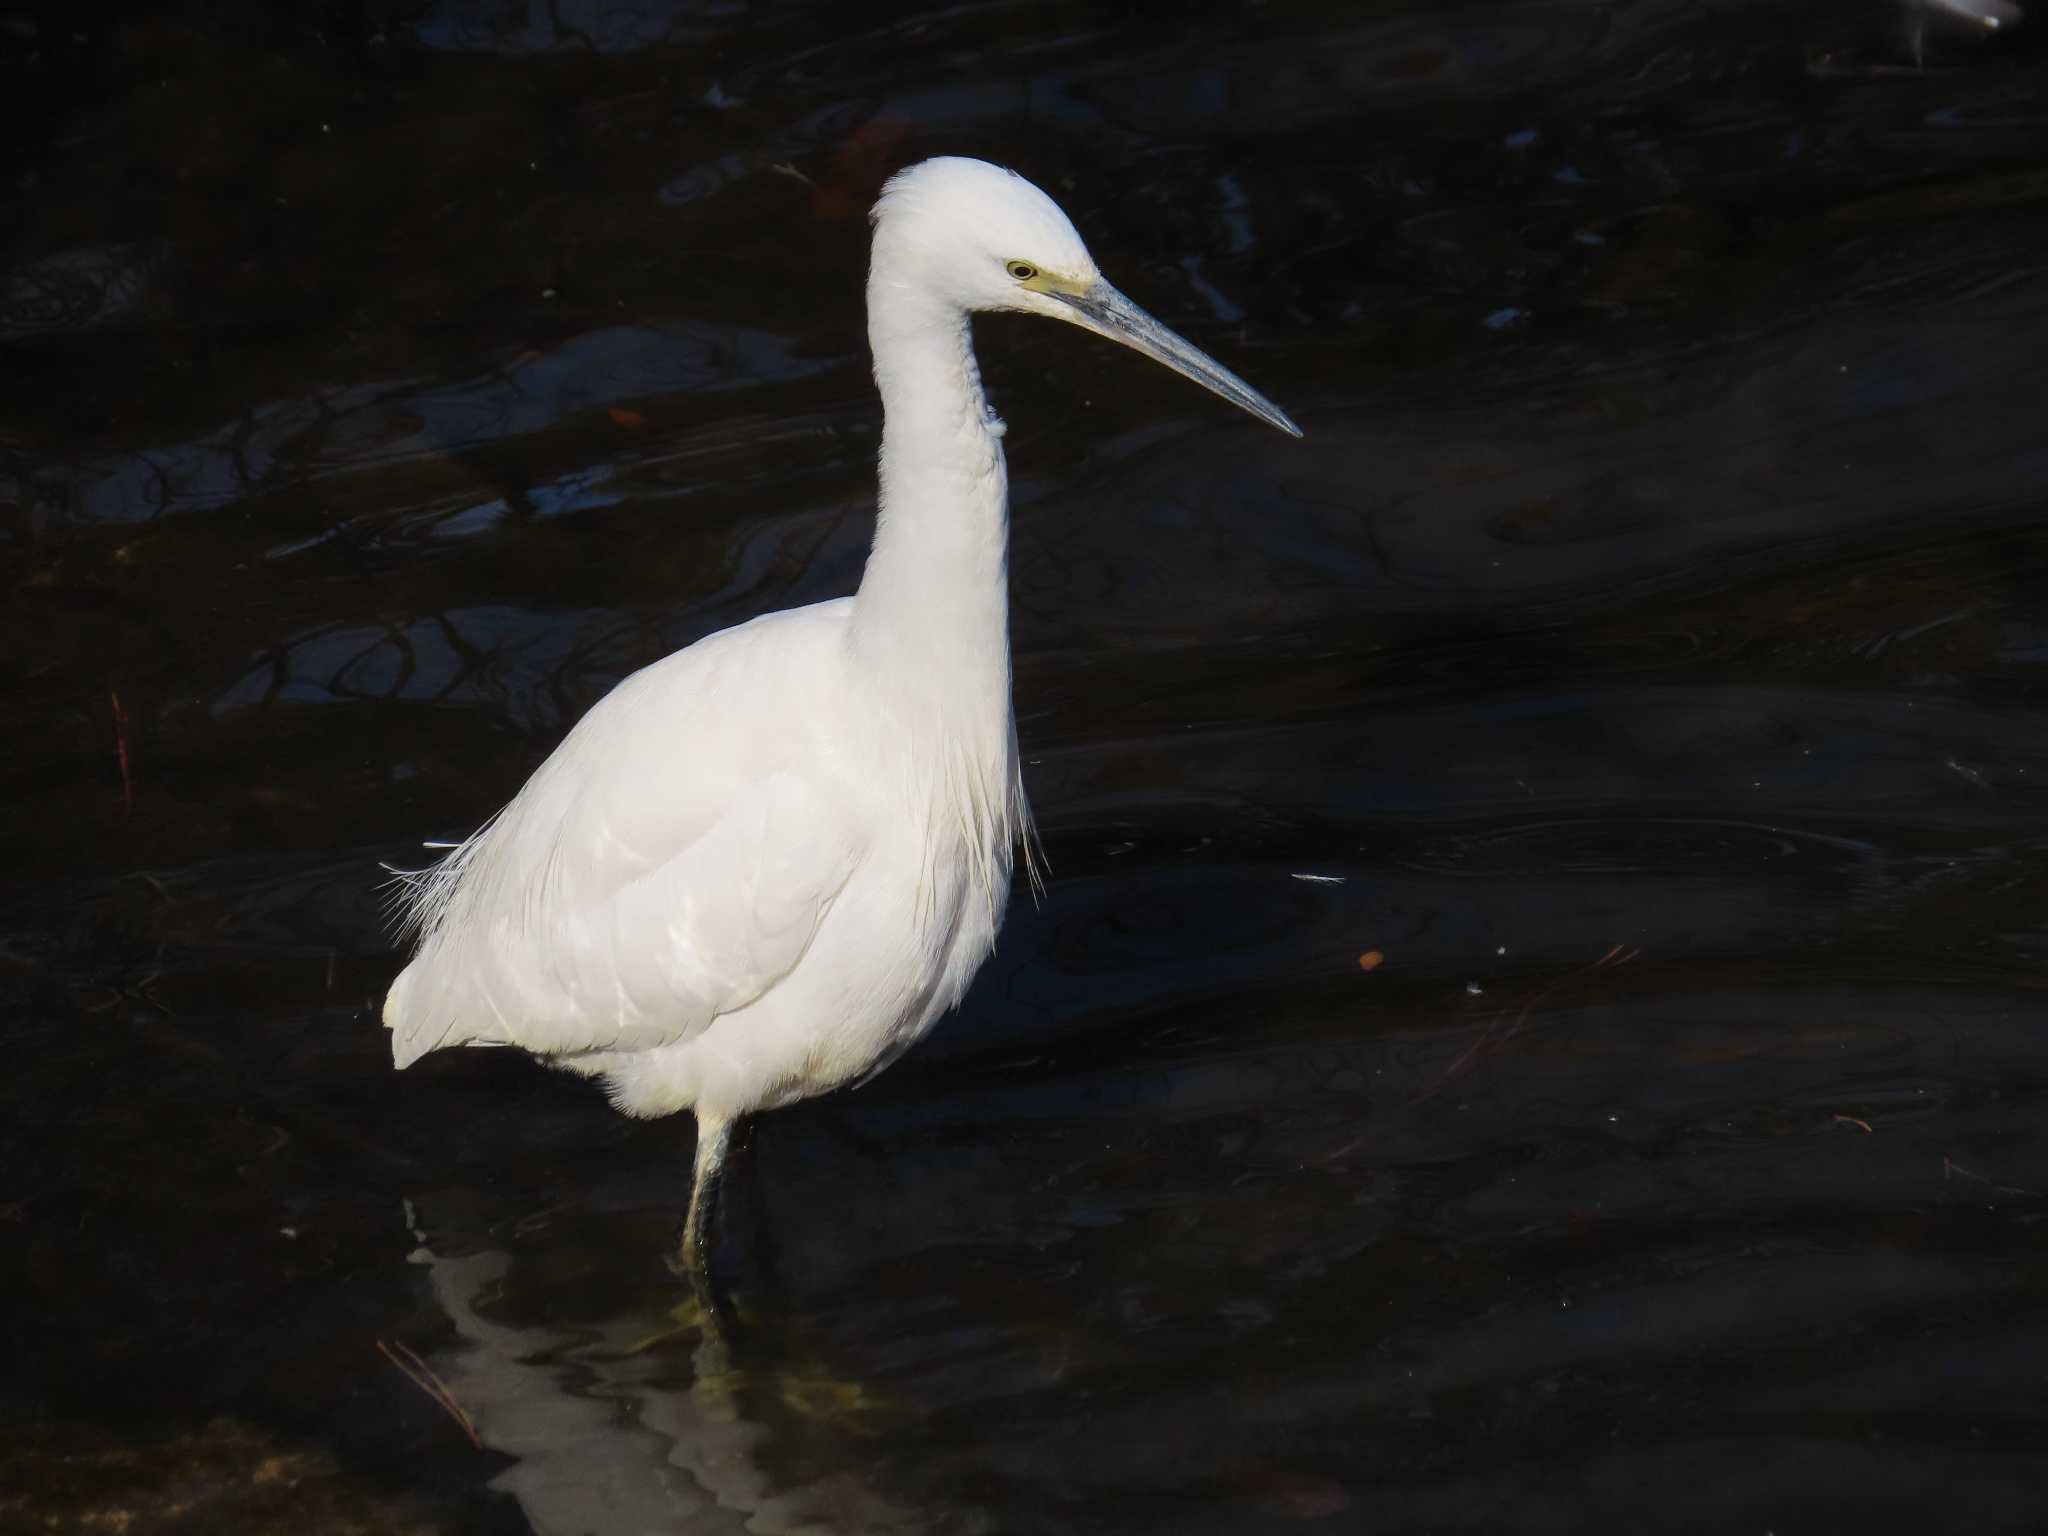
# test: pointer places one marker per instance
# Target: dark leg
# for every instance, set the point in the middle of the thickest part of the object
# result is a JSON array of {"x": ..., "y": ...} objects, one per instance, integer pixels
[{"x": 700, "y": 1228}]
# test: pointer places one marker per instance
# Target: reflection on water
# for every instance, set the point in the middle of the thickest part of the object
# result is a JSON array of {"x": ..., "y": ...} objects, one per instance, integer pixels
[
  {"x": 1635, "y": 1121},
  {"x": 642, "y": 1424}
]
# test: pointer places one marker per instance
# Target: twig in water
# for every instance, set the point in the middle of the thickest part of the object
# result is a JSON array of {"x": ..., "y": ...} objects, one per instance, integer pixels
[
  {"x": 1950, "y": 1167},
  {"x": 1620, "y": 954},
  {"x": 417, "y": 1372}
]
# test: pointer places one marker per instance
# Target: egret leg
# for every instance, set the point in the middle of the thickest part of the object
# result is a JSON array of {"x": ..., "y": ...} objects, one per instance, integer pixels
[{"x": 714, "y": 1135}]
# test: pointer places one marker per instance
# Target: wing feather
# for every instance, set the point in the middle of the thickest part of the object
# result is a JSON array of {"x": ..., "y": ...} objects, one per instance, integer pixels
[{"x": 670, "y": 862}]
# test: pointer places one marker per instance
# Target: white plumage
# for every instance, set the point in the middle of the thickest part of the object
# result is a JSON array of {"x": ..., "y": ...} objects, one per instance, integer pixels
[{"x": 763, "y": 866}]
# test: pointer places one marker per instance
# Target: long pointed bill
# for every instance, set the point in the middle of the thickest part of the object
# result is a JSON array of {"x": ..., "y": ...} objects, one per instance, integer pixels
[{"x": 1106, "y": 312}]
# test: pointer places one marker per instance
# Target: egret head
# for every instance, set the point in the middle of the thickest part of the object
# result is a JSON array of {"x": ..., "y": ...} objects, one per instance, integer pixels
[{"x": 978, "y": 237}]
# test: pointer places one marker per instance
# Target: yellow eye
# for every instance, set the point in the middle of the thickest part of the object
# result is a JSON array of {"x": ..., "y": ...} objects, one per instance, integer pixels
[{"x": 1023, "y": 271}]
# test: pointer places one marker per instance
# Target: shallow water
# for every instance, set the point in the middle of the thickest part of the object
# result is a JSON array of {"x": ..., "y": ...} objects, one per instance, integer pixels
[{"x": 1642, "y": 657}]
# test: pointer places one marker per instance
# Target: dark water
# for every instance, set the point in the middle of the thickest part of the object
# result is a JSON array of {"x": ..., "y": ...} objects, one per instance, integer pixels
[{"x": 1644, "y": 655}]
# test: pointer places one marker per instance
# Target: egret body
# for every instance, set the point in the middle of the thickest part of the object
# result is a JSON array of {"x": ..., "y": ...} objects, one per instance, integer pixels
[{"x": 762, "y": 867}]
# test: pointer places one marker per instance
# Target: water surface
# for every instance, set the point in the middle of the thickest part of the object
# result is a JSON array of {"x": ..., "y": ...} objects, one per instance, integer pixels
[{"x": 1536, "y": 1022}]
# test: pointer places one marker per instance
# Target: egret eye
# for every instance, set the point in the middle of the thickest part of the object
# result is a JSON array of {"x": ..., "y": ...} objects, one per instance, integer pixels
[{"x": 1023, "y": 271}]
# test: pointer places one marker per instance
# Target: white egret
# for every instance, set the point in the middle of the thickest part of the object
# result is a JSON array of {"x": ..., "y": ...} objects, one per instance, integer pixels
[{"x": 762, "y": 867}]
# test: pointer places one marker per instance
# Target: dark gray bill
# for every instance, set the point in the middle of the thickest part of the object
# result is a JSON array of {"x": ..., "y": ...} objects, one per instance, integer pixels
[{"x": 1108, "y": 313}]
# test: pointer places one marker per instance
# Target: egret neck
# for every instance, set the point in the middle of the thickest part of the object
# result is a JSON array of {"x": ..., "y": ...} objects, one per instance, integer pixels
[
  {"x": 935, "y": 596},
  {"x": 931, "y": 624}
]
